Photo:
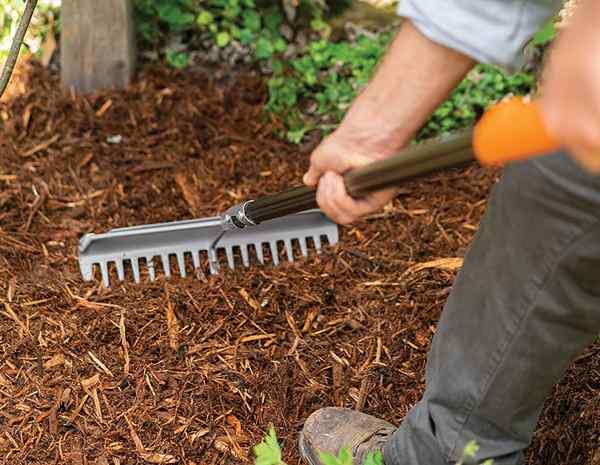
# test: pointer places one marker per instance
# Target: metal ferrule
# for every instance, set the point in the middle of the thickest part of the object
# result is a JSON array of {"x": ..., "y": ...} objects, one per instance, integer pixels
[{"x": 236, "y": 217}]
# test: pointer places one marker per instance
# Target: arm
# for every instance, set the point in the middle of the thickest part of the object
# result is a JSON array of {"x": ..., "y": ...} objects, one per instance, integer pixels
[
  {"x": 414, "y": 78},
  {"x": 570, "y": 101}
]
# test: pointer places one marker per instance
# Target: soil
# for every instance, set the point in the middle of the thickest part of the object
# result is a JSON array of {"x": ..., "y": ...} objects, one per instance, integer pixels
[{"x": 194, "y": 370}]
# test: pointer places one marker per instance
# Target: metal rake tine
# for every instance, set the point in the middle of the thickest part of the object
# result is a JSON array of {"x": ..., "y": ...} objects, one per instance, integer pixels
[
  {"x": 289, "y": 250},
  {"x": 259, "y": 252},
  {"x": 317, "y": 240},
  {"x": 303, "y": 246},
  {"x": 120, "y": 270},
  {"x": 104, "y": 272},
  {"x": 213, "y": 262},
  {"x": 244, "y": 253},
  {"x": 166, "y": 265},
  {"x": 274, "y": 253},
  {"x": 230, "y": 260},
  {"x": 135, "y": 266},
  {"x": 196, "y": 259},
  {"x": 151, "y": 268},
  {"x": 181, "y": 264}
]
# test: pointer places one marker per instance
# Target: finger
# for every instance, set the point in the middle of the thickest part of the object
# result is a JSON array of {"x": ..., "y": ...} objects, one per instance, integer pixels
[
  {"x": 326, "y": 192},
  {"x": 311, "y": 177}
]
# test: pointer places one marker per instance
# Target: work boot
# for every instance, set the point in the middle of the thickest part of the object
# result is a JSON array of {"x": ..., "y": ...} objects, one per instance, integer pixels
[{"x": 331, "y": 429}]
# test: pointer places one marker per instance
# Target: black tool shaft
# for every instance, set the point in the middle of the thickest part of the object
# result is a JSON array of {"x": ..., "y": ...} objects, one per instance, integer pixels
[{"x": 417, "y": 160}]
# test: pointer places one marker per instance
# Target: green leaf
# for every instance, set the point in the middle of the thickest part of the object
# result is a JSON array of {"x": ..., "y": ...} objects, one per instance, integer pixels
[
  {"x": 223, "y": 38},
  {"x": 470, "y": 449},
  {"x": 277, "y": 67},
  {"x": 264, "y": 48},
  {"x": 273, "y": 20},
  {"x": 246, "y": 36},
  {"x": 175, "y": 16},
  {"x": 280, "y": 45},
  {"x": 204, "y": 18},
  {"x": 374, "y": 458},
  {"x": 251, "y": 20},
  {"x": 268, "y": 452},
  {"x": 177, "y": 60},
  {"x": 344, "y": 458},
  {"x": 546, "y": 34}
]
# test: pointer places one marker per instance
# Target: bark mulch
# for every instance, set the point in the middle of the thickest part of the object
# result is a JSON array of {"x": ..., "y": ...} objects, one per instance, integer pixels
[{"x": 194, "y": 370}]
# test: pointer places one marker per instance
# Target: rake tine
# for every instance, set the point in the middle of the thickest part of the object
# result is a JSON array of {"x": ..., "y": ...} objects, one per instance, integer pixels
[
  {"x": 303, "y": 246},
  {"x": 317, "y": 240},
  {"x": 274, "y": 253},
  {"x": 288, "y": 250},
  {"x": 259, "y": 253},
  {"x": 196, "y": 259},
  {"x": 166, "y": 265},
  {"x": 135, "y": 266},
  {"x": 230, "y": 261},
  {"x": 244, "y": 252},
  {"x": 151, "y": 268},
  {"x": 120, "y": 270},
  {"x": 181, "y": 264},
  {"x": 104, "y": 271},
  {"x": 212, "y": 261}
]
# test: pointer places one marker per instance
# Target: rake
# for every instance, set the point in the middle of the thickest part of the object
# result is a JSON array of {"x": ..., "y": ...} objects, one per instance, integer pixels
[
  {"x": 270, "y": 228},
  {"x": 265, "y": 230}
]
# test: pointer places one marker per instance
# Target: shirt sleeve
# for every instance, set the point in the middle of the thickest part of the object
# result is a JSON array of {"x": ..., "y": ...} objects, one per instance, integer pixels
[{"x": 489, "y": 31}]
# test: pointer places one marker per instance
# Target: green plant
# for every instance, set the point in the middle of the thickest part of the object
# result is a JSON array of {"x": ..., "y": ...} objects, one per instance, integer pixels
[
  {"x": 257, "y": 25},
  {"x": 314, "y": 90},
  {"x": 470, "y": 452},
  {"x": 546, "y": 34},
  {"x": 268, "y": 452},
  {"x": 46, "y": 12}
]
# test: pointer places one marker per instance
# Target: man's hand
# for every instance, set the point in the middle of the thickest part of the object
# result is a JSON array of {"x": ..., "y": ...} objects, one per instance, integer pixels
[
  {"x": 414, "y": 78},
  {"x": 333, "y": 157},
  {"x": 570, "y": 100}
]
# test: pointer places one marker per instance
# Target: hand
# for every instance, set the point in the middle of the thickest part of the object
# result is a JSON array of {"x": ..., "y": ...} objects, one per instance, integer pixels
[
  {"x": 570, "y": 100},
  {"x": 328, "y": 162}
]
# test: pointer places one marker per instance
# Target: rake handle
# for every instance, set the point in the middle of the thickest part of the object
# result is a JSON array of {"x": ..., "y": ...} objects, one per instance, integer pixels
[
  {"x": 509, "y": 131},
  {"x": 448, "y": 151}
]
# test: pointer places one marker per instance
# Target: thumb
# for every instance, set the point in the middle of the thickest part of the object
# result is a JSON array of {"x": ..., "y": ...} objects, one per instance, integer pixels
[{"x": 311, "y": 177}]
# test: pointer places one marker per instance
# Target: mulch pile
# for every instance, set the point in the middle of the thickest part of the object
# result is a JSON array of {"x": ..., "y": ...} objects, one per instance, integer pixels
[{"x": 194, "y": 370}]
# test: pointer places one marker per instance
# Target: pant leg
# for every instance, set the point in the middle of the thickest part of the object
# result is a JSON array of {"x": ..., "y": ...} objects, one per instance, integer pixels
[{"x": 525, "y": 303}]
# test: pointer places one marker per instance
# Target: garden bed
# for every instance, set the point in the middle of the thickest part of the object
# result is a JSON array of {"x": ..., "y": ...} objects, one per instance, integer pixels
[{"x": 195, "y": 370}]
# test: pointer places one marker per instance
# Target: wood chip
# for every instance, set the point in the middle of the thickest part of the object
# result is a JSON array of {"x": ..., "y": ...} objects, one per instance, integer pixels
[
  {"x": 448, "y": 264},
  {"x": 40, "y": 147},
  {"x": 99, "y": 364}
]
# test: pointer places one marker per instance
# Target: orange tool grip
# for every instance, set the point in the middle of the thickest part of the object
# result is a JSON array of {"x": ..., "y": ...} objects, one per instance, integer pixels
[{"x": 511, "y": 130}]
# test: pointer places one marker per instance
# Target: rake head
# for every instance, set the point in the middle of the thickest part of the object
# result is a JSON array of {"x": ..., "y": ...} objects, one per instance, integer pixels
[{"x": 205, "y": 244}]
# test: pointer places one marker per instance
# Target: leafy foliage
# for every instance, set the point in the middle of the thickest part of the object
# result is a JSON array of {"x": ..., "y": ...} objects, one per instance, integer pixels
[
  {"x": 268, "y": 451},
  {"x": 315, "y": 90},
  {"x": 256, "y": 24},
  {"x": 10, "y": 15},
  {"x": 546, "y": 34}
]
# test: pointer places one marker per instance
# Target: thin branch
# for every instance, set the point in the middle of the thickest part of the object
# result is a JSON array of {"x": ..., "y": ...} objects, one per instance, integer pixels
[{"x": 15, "y": 47}]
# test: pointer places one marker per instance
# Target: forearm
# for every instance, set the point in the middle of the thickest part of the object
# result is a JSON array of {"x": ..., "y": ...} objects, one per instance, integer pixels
[{"x": 414, "y": 78}]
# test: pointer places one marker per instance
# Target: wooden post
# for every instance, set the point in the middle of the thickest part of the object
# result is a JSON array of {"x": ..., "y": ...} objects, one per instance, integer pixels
[{"x": 97, "y": 44}]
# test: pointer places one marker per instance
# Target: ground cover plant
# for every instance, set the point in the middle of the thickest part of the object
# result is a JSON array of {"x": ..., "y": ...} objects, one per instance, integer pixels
[
  {"x": 312, "y": 77},
  {"x": 194, "y": 371}
]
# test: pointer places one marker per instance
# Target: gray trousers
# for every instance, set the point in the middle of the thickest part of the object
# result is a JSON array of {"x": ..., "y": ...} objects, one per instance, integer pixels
[{"x": 524, "y": 305}]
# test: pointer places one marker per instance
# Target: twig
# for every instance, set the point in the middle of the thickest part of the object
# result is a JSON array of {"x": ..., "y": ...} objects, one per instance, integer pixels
[{"x": 13, "y": 54}]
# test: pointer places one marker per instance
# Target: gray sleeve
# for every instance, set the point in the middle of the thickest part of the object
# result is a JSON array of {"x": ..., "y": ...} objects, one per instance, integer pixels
[{"x": 490, "y": 31}]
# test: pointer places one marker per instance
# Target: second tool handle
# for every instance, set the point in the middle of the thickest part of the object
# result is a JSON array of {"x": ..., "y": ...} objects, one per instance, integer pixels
[{"x": 416, "y": 160}]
